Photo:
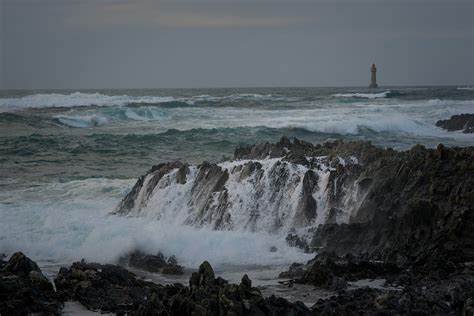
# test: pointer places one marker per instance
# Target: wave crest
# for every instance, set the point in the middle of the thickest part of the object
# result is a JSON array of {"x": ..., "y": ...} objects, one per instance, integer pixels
[
  {"x": 111, "y": 115},
  {"x": 385, "y": 94},
  {"x": 78, "y": 99}
]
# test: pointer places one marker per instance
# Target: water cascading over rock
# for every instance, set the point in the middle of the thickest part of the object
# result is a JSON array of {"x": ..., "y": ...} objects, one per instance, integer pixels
[{"x": 266, "y": 187}]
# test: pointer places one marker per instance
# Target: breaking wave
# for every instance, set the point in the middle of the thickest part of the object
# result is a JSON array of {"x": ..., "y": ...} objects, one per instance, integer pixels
[
  {"x": 76, "y": 99},
  {"x": 268, "y": 195},
  {"x": 111, "y": 115},
  {"x": 80, "y": 99},
  {"x": 73, "y": 223},
  {"x": 385, "y": 94}
]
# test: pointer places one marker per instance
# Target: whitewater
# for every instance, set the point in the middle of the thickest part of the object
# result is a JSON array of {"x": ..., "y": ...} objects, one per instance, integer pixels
[{"x": 69, "y": 157}]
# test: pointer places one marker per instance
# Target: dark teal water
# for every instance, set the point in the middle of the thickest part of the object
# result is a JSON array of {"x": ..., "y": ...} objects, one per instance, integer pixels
[{"x": 66, "y": 135}]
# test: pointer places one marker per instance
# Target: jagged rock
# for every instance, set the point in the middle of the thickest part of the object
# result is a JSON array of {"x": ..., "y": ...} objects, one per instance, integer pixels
[
  {"x": 140, "y": 260},
  {"x": 109, "y": 288},
  {"x": 296, "y": 158},
  {"x": 307, "y": 207},
  {"x": 415, "y": 199},
  {"x": 211, "y": 178},
  {"x": 151, "y": 263},
  {"x": 145, "y": 185},
  {"x": 172, "y": 260},
  {"x": 249, "y": 168},
  {"x": 25, "y": 290},
  {"x": 172, "y": 269},
  {"x": 296, "y": 270},
  {"x": 450, "y": 297},
  {"x": 206, "y": 274},
  {"x": 246, "y": 283},
  {"x": 461, "y": 122},
  {"x": 181, "y": 174},
  {"x": 105, "y": 288},
  {"x": 296, "y": 149},
  {"x": 296, "y": 241},
  {"x": 412, "y": 208},
  {"x": 332, "y": 272},
  {"x": 21, "y": 265}
]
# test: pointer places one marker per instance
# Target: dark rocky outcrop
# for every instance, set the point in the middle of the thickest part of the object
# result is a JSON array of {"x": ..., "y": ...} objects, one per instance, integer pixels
[
  {"x": 446, "y": 297},
  {"x": 418, "y": 208},
  {"x": 461, "y": 122},
  {"x": 109, "y": 288},
  {"x": 412, "y": 223},
  {"x": 25, "y": 290},
  {"x": 293, "y": 150},
  {"x": 151, "y": 263},
  {"x": 106, "y": 288},
  {"x": 406, "y": 216},
  {"x": 21, "y": 265},
  {"x": 152, "y": 177},
  {"x": 294, "y": 240},
  {"x": 413, "y": 226},
  {"x": 295, "y": 271},
  {"x": 330, "y": 271}
]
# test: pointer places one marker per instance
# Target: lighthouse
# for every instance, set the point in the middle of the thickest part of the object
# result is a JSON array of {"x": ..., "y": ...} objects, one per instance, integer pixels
[{"x": 373, "y": 77}]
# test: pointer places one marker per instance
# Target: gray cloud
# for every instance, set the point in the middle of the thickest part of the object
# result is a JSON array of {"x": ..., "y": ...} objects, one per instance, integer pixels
[{"x": 121, "y": 44}]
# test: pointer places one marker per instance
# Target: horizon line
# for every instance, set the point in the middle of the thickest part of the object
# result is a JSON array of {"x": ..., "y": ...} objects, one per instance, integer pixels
[{"x": 243, "y": 87}]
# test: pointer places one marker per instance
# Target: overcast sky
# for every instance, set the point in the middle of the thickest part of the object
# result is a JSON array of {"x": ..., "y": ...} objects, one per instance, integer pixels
[{"x": 240, "y": 43}]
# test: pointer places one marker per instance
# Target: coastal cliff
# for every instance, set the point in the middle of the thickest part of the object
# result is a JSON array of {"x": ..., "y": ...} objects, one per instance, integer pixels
[
  {"x": 403, "y": 216},
  {"x": 353, "y": 197}
]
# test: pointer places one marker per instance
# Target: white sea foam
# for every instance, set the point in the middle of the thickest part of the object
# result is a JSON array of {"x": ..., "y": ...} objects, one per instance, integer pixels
[
  {"x": 269, "y": 200},
  {"x": 82, "y": 120},
  {"x": 362, "y": 95},
  {"x": 78, "y": 99},
  {"x": 69, "y": 221},
  {"x": 73, "y": 223},
  {"x": 97, "y": 117},
  {"x": 465, "y": 88}
]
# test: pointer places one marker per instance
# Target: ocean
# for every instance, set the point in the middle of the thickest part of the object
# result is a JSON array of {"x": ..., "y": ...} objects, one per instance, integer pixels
[{"x": 67, "y": 158}]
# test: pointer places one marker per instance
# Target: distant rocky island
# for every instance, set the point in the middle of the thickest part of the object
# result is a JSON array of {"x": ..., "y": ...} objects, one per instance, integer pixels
[
  {"x": 406, "y": 217},
  {"x": 461, "y": 122}
]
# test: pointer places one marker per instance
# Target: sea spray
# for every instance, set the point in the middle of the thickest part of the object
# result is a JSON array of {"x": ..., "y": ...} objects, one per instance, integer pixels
[{"x": 74, "y": 223}]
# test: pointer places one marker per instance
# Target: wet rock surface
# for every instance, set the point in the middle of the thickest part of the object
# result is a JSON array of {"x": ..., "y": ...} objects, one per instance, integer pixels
[
  {"x": 412, "y": 225},
  {"x": 136, "y": 197},
  {"x": 109, "y": 288},
  {"x": 446, "y": 297},
  {"x": 105, "y": 288},
  {"x": 294, "y": 240},
  {"x": 151, "y": 263},
  {"x": 25, "y": 290},
  {"x": 461, "y": 122},
  {"x": 295, "y": 271},
  {"x": 332, "y": 272},
  {"x": 418, "y": 209}
]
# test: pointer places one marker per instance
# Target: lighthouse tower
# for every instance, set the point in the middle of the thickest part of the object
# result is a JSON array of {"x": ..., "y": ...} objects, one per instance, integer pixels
[{"x": 373, "y": 77}]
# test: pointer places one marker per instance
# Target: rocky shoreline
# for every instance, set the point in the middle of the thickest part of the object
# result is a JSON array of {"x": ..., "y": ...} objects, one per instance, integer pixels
[
  {"x": 405, "y": 218},
  {"x": 108, "y": 288},
  {"x": 113, "y": 289}
]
